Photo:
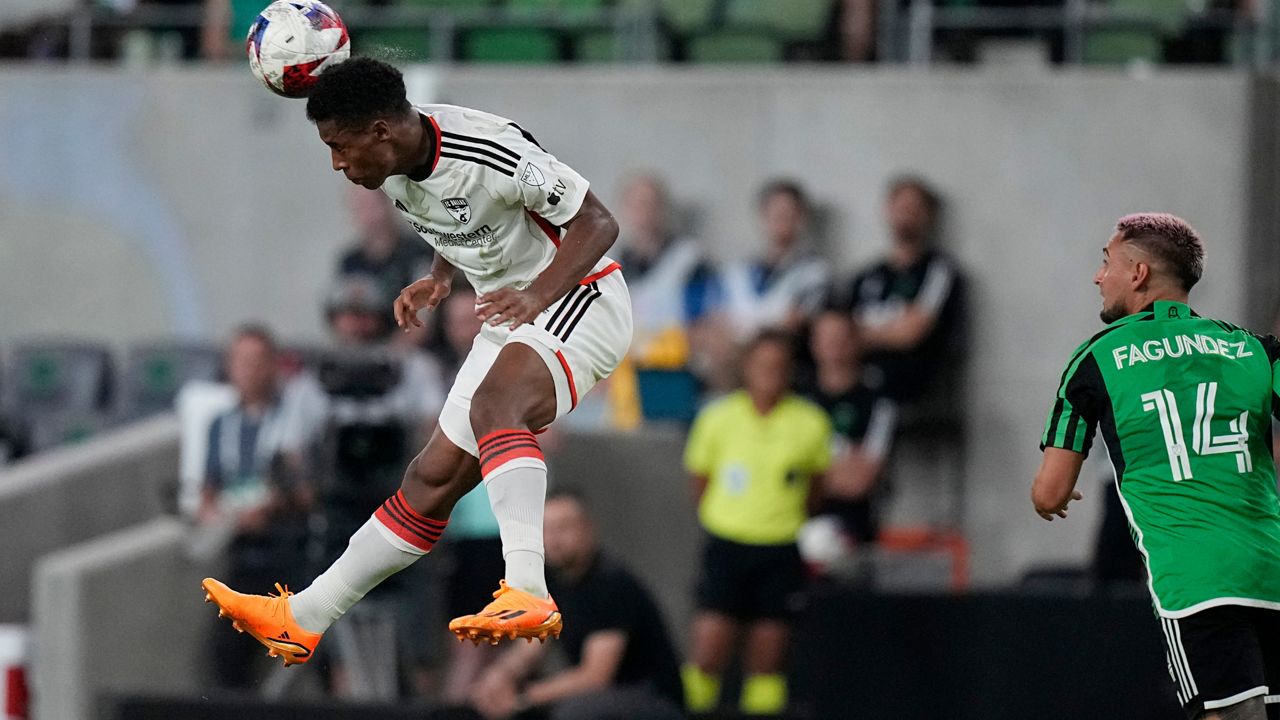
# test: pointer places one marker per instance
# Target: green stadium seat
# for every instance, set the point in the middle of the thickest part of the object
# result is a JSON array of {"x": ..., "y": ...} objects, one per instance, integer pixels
[
  {"x": 1170, "y": 15},
  {"x": 155, "y": 372},
  {"x": 602, "y": 46},
  {"x": 449, "y": 4},
  {"x": 568, "y": 11},
  {"x": 1119, "y": 47},
  {"x": 688, "y": 16},
  {"x": 511, "y": 45},
  {"x": 734, "y": 47},
  {"x": 791, "y": 20}
]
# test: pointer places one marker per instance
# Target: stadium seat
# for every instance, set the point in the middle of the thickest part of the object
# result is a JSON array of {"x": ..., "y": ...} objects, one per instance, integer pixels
[
  {"x": 732, "y": 47},
  {"x": 465, "y": 5},
  {"x": 1169, "y": 15},
  {"x": 688, "y": 16},
  {"x": 154, "y": 372},
  {"x": 1119, "y": 47},
  {"x": 511, "y": 45},
  {"x": 565, "y": 11},
  {"x": 54, "y": 374},
  {"x": 793, "y": 20},
  {"x": 603, "y": 46},
  {"x": 60, "y": 391},
  {"x": 1127, "y": 45}
]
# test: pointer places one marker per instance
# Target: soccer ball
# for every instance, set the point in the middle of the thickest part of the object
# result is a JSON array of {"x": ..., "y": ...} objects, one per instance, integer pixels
[{"x": 292, "y": 42}]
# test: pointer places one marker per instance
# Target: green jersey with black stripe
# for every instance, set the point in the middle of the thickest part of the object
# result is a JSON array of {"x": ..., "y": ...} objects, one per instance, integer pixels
[{"x": 1184, "y": 405}]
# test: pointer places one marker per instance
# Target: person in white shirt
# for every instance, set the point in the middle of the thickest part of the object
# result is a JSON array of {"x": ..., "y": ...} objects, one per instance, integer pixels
[
  {"x": 673, "y": 286},
  {"x": 784, "y": 285},
  {"x": 530, "y": 237}
]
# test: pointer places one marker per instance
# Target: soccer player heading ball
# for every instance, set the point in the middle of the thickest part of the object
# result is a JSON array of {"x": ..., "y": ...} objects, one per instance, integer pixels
[
  {"x": 530, "y": 237},
  {"x": 1183, "y": 403}
]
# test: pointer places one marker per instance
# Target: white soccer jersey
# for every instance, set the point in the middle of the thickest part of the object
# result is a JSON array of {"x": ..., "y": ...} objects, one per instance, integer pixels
[{"x": 494, "y": 202}]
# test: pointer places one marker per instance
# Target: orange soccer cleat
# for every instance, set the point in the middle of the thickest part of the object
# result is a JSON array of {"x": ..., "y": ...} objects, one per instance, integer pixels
[
  {"x": 267, "y": 618},
  {"x": 512, "y": 614}
]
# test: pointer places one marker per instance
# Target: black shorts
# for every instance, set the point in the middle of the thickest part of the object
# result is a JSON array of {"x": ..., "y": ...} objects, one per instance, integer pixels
[
  {"x": 1224, "y": 655},
  {"x": 750, "y": 582}
]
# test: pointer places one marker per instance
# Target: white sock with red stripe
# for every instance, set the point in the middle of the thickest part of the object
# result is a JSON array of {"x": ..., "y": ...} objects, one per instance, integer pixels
[
  {"x": 515, "y": 476},
  {"x": 390, "y": 541}
]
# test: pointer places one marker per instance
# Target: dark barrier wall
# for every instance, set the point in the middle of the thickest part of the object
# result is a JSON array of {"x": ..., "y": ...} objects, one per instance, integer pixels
[
  {"x": 981, "y": 657},
  {"x": 906, "y": 658}
]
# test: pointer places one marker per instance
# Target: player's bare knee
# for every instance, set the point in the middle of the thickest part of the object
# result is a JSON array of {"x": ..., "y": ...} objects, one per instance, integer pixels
[{"x": 494, "y": 408}]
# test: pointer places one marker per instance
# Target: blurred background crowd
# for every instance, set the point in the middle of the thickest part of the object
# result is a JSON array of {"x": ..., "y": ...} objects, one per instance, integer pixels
[
  {"x": 295, "y": 446},
  {"x": 853, "y": 290}
]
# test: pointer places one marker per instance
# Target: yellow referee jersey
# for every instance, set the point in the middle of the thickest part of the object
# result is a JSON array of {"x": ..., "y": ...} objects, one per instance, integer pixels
[{"x": 758, "y": 466}]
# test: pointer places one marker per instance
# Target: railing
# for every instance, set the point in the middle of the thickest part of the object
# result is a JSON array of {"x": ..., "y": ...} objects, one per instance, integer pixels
[
  {"x": 637, "y": 28},
  {"x": 904, "y": 35},
  {"x": 908, "y": 36}
]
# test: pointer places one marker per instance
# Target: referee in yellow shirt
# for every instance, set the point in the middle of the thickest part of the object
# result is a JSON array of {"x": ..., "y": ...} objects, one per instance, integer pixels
[{"x": 756, "y": 457}]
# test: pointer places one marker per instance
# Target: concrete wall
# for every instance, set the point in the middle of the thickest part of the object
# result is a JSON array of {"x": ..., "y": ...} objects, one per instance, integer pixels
[
  {"x": 189, "y": 200},
  {"x": 70, "y": 496},
  {"x": 121, "y": 613},
  {"x": 117, "y": 614}
]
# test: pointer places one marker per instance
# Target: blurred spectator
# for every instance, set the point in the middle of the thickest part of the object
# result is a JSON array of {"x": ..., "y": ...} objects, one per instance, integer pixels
[
  {"x": 254, "y": 488},
  {"x": 907, "y": 305},
  {"x": 756, "y": 458},
  {"x": 672, "y": 285},
  {"x": 783, "y": 286},
  {"x": 376, "y": 422},
  {"x": 621, "y": 663},
  {"x": 226, "y": 25},
  {"x": 384, "y": 250},
  {"x": 673, "y": 293},
  {"x": 355, "y": 312},
  {"x": 456, "y": 327},
  {"x": 863, "y": 420},
  {"x": 856, "y": 29}
]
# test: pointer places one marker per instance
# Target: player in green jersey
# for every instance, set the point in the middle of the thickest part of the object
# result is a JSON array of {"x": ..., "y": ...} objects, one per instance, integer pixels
[{"x": 1183, "y": 404}]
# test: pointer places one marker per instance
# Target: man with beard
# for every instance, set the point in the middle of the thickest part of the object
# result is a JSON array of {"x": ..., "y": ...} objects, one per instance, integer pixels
[{"x": 1182, "y": 402}]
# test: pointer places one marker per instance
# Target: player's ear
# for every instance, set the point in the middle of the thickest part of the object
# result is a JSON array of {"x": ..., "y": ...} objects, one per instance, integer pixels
[
  {"x": 1141, "y": 275},
  {"x": 381, "y": 129}
]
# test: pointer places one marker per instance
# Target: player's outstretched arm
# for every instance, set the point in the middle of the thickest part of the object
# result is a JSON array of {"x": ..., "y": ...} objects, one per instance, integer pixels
[
  {"x": 1054, "y": 486},
  {"x": 588, "y": 236},
  {"x": 426, "y": 292}
]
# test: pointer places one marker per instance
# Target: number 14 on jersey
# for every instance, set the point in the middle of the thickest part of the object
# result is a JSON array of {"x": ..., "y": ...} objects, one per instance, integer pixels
[{"x": 1203, "y": 441}]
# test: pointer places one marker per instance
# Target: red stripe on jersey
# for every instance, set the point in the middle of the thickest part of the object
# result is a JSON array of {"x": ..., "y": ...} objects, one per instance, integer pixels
[
  {"x": 435, "y": 127},
  {"x": 596, "y": 276},
  {"x": 573, "y": 391},
  {"x": 553, "y": 232}
]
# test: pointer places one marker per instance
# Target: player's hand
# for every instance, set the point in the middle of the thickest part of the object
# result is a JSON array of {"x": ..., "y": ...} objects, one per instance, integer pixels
[
  {"x": 508, "y": 306},
  {"x": 425, "y": 293},
  {"x": 1061, "y": 510}
]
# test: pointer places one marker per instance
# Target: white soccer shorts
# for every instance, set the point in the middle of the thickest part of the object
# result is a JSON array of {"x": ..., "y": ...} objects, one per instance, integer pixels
[{"x": 582, "y": 338}]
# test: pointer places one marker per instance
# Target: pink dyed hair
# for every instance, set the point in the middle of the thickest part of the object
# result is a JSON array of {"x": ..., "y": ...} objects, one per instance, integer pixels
[{"x": 1169, "y": 238}]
